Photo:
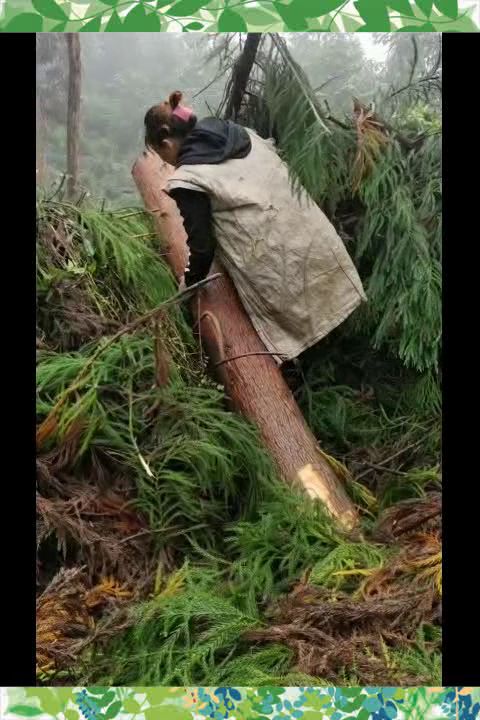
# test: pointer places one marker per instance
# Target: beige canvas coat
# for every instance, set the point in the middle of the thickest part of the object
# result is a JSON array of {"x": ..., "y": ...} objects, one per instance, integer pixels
[{"x": 289, "y": 266}]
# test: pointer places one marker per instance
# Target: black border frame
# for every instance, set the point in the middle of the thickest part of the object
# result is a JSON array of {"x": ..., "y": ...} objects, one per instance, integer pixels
[{"x": 18, "y": 562}]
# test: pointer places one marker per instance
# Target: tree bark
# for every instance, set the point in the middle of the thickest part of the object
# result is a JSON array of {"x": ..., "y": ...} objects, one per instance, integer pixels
[
  {"x": 40, "y": 145},
  {"x": 254, "y": 384},
  {"x": 73, "y": 113},
  {"x": 241, "y": 73}
]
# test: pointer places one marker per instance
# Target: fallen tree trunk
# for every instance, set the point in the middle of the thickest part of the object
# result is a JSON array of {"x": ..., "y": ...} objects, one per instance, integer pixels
[{"x": 252, "y": 381}]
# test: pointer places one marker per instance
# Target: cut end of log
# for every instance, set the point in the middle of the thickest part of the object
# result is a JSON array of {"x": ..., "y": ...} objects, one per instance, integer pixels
[{"x": 313, "y": 483}]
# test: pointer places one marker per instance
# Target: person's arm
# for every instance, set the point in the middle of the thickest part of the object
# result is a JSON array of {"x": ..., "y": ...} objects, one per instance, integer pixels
[{"x": 196, "y": 212}]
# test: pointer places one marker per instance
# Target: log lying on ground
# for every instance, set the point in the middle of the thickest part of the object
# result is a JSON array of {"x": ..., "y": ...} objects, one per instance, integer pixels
[{"x": 253, "y": 383}]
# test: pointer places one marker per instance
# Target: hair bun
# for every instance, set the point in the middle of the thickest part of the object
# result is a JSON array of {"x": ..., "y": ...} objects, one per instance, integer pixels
[{"x": 175, "y": 99}]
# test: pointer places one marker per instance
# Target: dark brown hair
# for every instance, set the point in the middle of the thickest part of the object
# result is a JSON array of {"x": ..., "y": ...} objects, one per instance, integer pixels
[{"x": 160, "y": 123}]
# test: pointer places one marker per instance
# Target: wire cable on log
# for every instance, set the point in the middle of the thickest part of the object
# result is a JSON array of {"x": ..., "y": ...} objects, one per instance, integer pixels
[{"x": 249, "y": 354}]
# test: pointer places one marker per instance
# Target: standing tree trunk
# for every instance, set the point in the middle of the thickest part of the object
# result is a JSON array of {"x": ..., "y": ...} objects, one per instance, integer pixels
[
  {"x": 40, "y": 144},
  {"x": 253, "y": 382},
  {"x": 73, "y": 112},
  {"x": 240, "y": 74}
]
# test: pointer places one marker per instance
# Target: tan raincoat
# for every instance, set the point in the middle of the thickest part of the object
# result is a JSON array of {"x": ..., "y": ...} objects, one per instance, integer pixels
[{"x": 289, "y": 266}]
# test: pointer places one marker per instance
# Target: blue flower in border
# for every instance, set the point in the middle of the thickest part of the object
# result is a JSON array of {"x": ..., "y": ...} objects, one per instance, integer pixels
[
  {"x": 457, "y": 705},
  {"x": 218, "y": 703},
  {"x": 87, "y": 706}
]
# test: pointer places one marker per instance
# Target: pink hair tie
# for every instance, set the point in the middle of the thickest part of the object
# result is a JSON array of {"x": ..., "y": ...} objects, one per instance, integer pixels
[{"x": 183, "y": 113}]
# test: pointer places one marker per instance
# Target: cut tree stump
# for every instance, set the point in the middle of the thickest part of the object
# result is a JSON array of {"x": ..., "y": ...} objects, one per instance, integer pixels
[{"x": 254, "y": 384}]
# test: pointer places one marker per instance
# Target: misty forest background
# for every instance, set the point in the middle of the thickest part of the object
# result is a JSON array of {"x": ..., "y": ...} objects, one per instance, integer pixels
[
  {"x": 124, "y": 75},
  {"x": 169, "y": 552}
]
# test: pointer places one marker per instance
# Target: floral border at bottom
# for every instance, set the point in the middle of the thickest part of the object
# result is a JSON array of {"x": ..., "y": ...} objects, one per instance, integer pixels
[{"x": 241, "y": 703}]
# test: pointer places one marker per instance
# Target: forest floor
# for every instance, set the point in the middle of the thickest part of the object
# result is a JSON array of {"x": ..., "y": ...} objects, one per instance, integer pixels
[{"x": 169, "y": 553}]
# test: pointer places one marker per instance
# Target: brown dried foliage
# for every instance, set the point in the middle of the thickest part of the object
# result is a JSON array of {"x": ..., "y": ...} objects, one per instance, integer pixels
[
  {"x": 89, "y": 513},
  {"x": 103, "y": 543},
  {"x": 69, "y": 315},
  {"x": 68, "y": 617},
  {"x": 371, "y": 137},
  {"x": 331, "y": 632}
]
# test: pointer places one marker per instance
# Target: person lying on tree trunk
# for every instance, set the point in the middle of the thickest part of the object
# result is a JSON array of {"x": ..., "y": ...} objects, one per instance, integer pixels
[{"x": 289, "y": 266}]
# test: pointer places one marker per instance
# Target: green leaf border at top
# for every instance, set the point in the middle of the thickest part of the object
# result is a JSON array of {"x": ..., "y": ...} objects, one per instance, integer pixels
[{"x": 240, "y": 16}]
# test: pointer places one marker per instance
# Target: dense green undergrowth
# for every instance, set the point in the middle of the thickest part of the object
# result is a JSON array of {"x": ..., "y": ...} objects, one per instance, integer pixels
[
  {"x": 167, "y": 501},
  {"x": 169, "y": 553}
]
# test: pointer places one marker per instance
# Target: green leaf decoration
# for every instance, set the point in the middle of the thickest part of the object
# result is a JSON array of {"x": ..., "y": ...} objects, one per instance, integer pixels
[
  {"x": 229, "y": 20},
  {"x": 138, "y": 20},
  {"x": 292, "y": 19},
  {"x": 50, "y": 703},
  {"x": 114, "y": 24},
  {"x": 109, "y": 696},
  {"x": 425, "y": 27},
  {"x": 425, "y": 6},
  {"x": 152, "y": 713},
  {"x": 130, "y": 705},
  {"x": 315, "y": 8},
  {"x": 115, "y": 707},
  {"x": 363, "y": 715},
  {"x": 350, "y": 24},
  {"x": 24, "y": 710},
  {"x": 96, "y": 690},
  {"x": 403, "y": 7},
  {"x": 354, "y": 704},
  {"x": 167, "y": 712},
  {"x": 256, "y": 16},
  {"x": 186, "y": 8},
  {"x": 26, "y": 22},
  {"x": 375, "y": 15},
  {"x": 59, "y": 27},
  {"x": 296, "y": 16},
  {"x": 156, "y": 695},
  {"x": 461, "y": 24},
  {"x": 64, "y": 694},
  {"x": 316, "y": 703},
  {"x": 448, "y": 7},
  {"x": 71, "y": 714},
  {"x": 93, "y": 25},
  {"x": 49, "y": 9}
]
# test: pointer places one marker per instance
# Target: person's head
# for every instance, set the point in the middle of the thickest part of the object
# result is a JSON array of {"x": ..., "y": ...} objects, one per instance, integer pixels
[{"x": 167, "y": 125}]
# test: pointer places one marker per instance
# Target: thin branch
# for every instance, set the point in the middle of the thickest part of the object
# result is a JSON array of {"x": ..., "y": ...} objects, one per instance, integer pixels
[
  {"x": 217, "y": 77},
  {"x": 439, "y": 55},
  {"x": 335, "y": 120},
  {"x": 130, "y": 327},
  {"x": 384, "y": 463},
  {"x": 58, "y": 189},
  {"x": 334, "y": 77},
  {"x": 289, "y": 60},
  {"x": 415, "y": 59},
  {"x": 426, "y": 79}
]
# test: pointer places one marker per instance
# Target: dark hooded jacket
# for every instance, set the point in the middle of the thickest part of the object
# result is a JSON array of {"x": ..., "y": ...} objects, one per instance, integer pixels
[{"x": 212, "y": 141}]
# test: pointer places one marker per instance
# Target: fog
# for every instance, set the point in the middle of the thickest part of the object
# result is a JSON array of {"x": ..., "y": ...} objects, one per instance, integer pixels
[{"x": 124, "y": 74}]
